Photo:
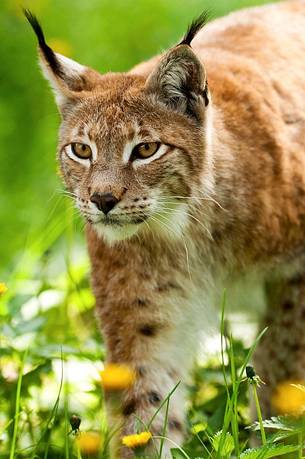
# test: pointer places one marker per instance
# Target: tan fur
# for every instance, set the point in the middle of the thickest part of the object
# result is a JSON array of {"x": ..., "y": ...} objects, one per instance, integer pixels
[{"x": 227, "y": 197}]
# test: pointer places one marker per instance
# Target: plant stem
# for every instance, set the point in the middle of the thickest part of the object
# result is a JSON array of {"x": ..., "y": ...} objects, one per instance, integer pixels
[
  {"x": 66, "y": 409},
  {"x": 164, "y": 427},
  {"x": 300, "y": 451},
  {"x": 259, "y": 414},
  {"x": 79, "y": 456},
  {"x": 173, "y": 443},
  {"x": 234, "y": 417},
  {"x": 17, "y": 407}
]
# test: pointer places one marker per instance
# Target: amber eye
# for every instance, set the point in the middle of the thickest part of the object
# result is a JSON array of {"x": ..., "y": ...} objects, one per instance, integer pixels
[
  {"x": 81, "y": 150},
  {"x": 145, "y": 150}
]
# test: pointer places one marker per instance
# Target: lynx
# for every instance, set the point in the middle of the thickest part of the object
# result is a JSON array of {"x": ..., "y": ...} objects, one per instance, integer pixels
[{"x": 190, "y": 173}]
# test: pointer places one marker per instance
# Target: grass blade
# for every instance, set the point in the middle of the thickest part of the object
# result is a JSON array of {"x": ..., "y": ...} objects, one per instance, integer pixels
[{"x": 17, "y": 406}]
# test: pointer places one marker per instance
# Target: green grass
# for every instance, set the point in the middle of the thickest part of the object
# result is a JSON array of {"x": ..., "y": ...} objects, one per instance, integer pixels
[{"x": 17, "y": 407}]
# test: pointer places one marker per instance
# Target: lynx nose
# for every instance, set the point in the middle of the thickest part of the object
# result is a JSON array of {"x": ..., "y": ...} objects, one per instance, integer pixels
[{"x": 104, "y": 201}]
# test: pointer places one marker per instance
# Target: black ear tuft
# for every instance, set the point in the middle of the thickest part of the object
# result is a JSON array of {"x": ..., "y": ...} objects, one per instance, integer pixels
[
  {"x": 36, "y": 26},
  {"x": 195, "y": 26},
  {"x": 48, "y": 53}
]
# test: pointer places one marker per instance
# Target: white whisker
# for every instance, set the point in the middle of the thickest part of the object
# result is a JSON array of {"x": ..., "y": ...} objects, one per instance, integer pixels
[
  {"x": 179, "y": 235},
  {"x": 206, "y": 198},
  {"x": 168, "y": 211}
]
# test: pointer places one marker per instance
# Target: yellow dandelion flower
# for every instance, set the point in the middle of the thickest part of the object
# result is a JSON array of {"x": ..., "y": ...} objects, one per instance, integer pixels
[
  {"x": 89, "y": 442},
  {"x": 289, "y": 398},
  {"x": 117, "y": 377},
  {"x": 3, "y": 288},
  {"x": 136, "y": 440}
]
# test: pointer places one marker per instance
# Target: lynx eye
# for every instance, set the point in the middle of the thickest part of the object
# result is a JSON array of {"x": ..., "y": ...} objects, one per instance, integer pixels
[
  {"x": 145, "y": 150},
  {"x": 81, "y": 150}
]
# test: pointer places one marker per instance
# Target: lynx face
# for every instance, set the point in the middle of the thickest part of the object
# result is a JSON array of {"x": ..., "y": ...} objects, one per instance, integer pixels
[{"x": 131, "y": 148}]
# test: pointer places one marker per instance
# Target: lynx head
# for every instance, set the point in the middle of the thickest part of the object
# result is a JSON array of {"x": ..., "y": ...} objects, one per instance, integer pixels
[{"x": 131, "y": 147}]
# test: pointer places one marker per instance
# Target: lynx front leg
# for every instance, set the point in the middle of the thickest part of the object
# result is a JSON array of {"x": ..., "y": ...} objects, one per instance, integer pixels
[
  {"x": 151, "y": 314},
  {"x": 156, "y": 347},
  {"x": 157, "y": 340},
  {"x": 142, "y": 402},
  {"x": 281, "y": 353}
]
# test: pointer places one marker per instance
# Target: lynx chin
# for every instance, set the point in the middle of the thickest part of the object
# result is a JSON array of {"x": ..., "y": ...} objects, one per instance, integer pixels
[{"x": 190, "y": 172}]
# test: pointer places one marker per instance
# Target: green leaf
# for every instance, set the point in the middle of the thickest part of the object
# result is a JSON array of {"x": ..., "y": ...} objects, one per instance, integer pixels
[
  {"x": 227, "y": 445},
  {"x": 268, "y": 451},
  {"x": 30, "y": 326},
  {"x": 279, "y": 423}
]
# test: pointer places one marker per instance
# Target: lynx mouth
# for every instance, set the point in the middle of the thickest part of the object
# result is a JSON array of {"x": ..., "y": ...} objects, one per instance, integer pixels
[
  {"x": 114, "y": 230},
  {"x": 111, "y": 221}
]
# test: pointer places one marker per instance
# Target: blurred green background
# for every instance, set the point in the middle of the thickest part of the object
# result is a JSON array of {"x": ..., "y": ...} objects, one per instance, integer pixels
[{"x": 105, "y": 34}]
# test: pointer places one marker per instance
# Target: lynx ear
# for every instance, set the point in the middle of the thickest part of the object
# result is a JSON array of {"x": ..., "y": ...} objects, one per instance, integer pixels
[
  {"x": 67, "y": 78},
  {"x": 179, "y": 80}
]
